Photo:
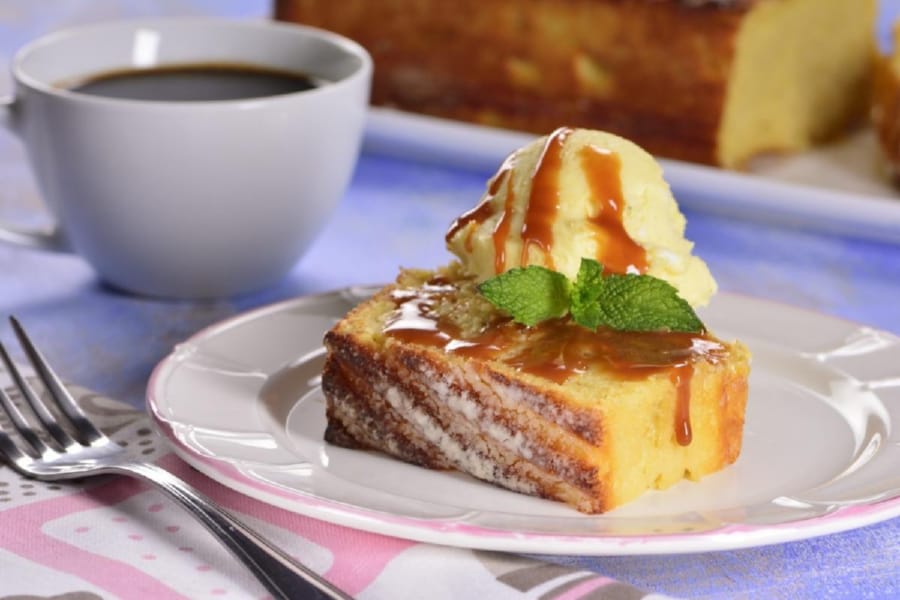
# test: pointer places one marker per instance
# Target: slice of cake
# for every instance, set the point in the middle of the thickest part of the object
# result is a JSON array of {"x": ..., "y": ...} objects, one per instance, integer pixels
[
  {"x": 712, "y": 81},
  {"x": 440, "y": 370},
  {"x": 886, "y": 106}
]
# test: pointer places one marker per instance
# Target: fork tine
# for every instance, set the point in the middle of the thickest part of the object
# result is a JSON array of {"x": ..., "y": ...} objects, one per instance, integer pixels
[
  {"x": 58, "y": 392},
  {"x": 61, "y": 437},
  {"x": 18, "y": 420}
]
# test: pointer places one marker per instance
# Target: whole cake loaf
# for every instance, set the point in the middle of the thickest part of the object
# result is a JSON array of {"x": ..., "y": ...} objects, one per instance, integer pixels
[
  {"x": 707, "y": 81},
  {"x": 886, "y": 107},
  {"x": 560, "y": 355}
]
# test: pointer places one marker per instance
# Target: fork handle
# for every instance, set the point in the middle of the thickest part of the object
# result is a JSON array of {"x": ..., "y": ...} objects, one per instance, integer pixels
[{"x": 281, "y": 575}]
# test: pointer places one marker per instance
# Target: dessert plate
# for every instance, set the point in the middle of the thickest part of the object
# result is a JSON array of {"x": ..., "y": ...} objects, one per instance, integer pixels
[
  {"x": 241, "y": 402},
  {"x": 835, "y": 188}
]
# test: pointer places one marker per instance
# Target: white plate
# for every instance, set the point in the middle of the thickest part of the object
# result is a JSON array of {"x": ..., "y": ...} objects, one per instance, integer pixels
[
  {"x": 836, "y": 188},
  {"x": 241, "y": 402}
]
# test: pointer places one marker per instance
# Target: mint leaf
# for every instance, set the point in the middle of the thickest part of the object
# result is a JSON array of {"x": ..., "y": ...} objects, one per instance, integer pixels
[
  {"x": 586, "y": 292},
  {"x": 643, "y": 303},
  {"x": 530, "y": 294},
  {"x": 624, "y": 302}
]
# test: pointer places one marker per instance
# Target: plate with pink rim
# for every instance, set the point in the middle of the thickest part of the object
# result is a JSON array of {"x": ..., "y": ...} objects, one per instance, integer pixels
[{"x": 241, "y": 402}]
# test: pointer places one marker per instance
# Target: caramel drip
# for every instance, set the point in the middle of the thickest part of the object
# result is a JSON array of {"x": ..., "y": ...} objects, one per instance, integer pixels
[
  {"x": 616, "y": 251},
  {"x": 478, "y": 215},
  {"x": 485, "y": 210},
  {"x": 681, "y": 376},
  {"x": 502, "y": 175},
  {"x": 543, "y": 204},
  {"x": 559, "y": 349},
  {"x": 501, "y": 231}
]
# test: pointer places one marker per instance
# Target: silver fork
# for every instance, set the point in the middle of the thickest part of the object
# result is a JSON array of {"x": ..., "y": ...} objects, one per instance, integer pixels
[{"x": 89, "y": 452}]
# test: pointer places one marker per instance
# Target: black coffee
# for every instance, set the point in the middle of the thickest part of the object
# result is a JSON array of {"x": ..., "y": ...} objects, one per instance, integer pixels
[{"x": 180, "y": 83}]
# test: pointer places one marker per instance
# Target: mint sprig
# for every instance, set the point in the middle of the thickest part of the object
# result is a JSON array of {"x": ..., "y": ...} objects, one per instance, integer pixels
[
  {"x": 530, "y": 295},
  {"x": 623, "y": 302}
]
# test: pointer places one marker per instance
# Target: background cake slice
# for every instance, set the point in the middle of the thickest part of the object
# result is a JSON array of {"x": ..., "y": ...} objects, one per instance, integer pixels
[
  {"x": 886, "y": 106},
  {"x": 712, "y": 81}
]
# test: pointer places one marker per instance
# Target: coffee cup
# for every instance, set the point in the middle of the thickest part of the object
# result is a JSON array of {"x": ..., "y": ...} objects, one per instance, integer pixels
[{"x": 187, "y": 197}]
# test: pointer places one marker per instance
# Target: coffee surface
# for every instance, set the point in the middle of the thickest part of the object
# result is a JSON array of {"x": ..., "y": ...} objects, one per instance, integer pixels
[{"x": 194, "y": 83}]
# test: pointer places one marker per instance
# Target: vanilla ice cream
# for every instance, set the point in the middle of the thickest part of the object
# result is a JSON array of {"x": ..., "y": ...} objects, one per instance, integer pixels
[{"x": 581, "y": 193}]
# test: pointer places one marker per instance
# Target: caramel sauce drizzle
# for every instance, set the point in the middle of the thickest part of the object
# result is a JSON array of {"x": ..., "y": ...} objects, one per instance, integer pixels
[
  {"x": 558, "y": 349},
  {"x": 616, "y": 251},
  {"x": 543, "y": 204},
  {"x": 479, "y": 214},
  {"x": 485, "y": 210},
  {"x": 681, "y": 376},
  {"x": 501, "y": 231}
]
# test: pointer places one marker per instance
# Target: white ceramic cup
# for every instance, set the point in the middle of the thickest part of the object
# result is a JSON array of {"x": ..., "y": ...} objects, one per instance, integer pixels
[{"x": 187, "y": 199}]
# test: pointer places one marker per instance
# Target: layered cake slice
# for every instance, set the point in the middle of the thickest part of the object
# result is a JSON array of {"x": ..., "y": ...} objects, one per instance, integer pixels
[{"x": 559, "y": 356}]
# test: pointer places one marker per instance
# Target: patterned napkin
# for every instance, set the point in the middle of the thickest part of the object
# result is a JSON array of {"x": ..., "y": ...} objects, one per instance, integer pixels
[{"x": 118, "y": 538}]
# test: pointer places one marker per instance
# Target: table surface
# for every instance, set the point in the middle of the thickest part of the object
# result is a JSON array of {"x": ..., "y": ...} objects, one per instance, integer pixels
[{"x": 395, "y": 213}]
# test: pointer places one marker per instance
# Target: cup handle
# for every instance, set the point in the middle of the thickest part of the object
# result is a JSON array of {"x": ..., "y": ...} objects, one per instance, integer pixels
[{"x": 53, "y": 239}]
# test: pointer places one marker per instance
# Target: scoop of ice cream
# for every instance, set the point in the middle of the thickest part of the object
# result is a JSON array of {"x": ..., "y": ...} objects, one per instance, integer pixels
[{"x": 581, "y": 193}]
